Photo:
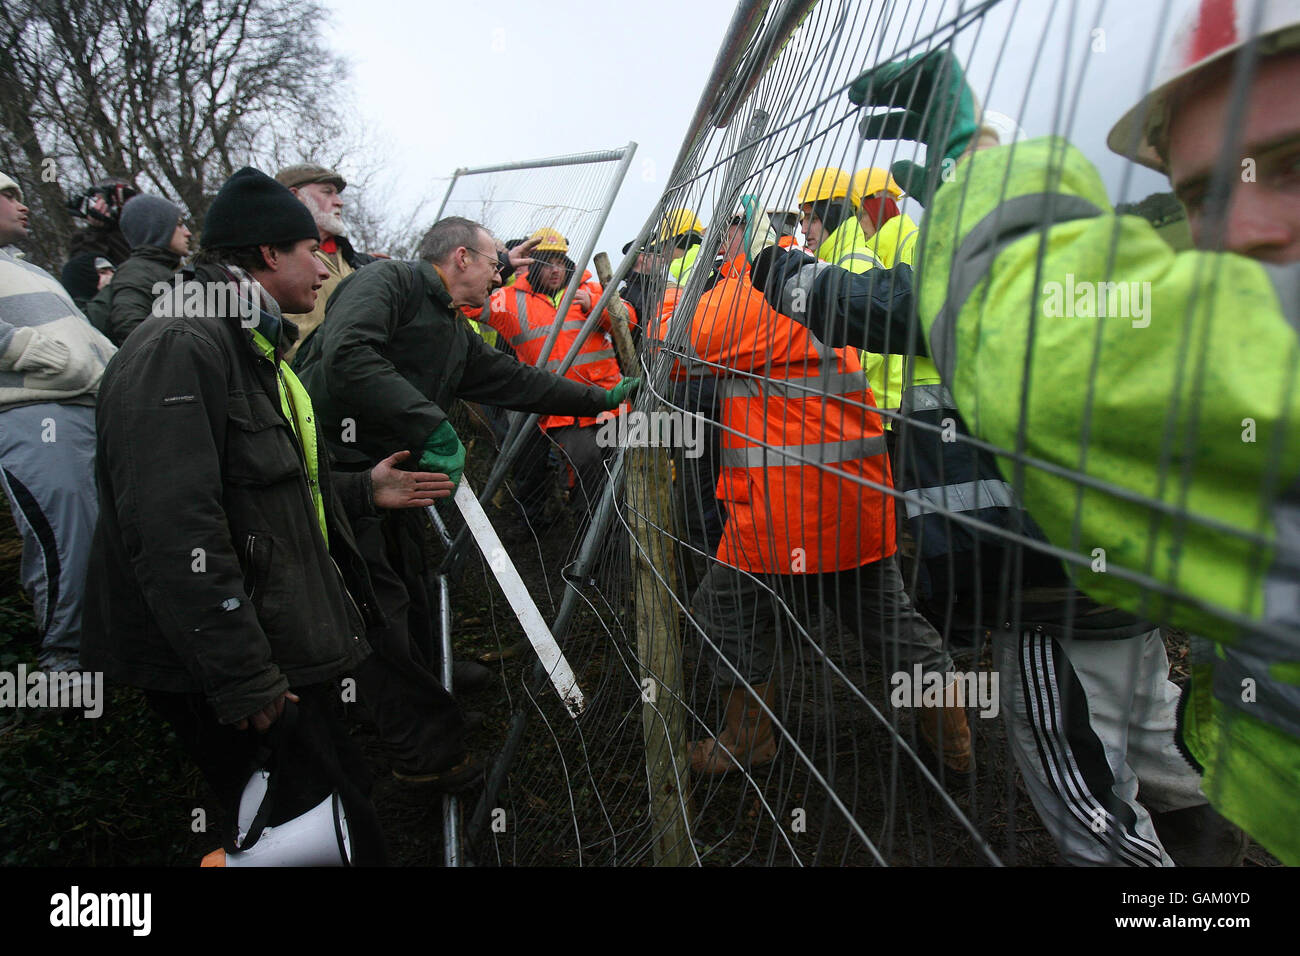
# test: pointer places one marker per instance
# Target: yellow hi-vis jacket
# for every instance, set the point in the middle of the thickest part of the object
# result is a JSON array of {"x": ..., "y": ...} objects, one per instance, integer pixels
[
  {"x": 1162, "y": 389},
  {"x": 895, "y": 242}
]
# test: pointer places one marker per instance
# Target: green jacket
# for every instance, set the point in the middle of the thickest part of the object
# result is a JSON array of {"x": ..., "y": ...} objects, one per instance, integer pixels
[
  {"x": 223, "y": 561},
  {"x": 131, "y": 294},
  {"x": 1179, "y": 381},
  {"x": 391, "y": 357}
]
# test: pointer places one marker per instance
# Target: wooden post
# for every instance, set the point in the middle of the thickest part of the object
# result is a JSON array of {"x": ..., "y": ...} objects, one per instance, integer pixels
[{"x": 647, "y": 495}]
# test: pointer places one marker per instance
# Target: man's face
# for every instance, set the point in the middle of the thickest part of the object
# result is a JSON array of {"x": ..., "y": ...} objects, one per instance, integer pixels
[
  {"x": 551, "y": 273},
  {"x": 326, "y": 207},
  {"x": 475, "y": 272},
  {"x": 13, "y": 218},
  {"x": 1261, "y": 218},
  {"x": 180, "y": 242},
  {"x": 812, "y": 228},
  {"x": 735, "y": 241},
  {"x": 297, "y": 275},
  {"x": 105, "y": 277}
]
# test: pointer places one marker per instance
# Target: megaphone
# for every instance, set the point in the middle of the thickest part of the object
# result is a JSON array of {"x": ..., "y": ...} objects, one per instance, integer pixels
[{"x": 318, "y": 837}]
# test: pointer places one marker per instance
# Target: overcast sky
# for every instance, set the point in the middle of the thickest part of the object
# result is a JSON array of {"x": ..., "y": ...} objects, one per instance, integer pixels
[{"x": 445, "y": 85}]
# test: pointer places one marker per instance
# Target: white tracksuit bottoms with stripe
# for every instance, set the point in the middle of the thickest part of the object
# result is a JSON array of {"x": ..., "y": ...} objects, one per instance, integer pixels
[
  {"x": 1089, "y": 721},
  {"x": 47, "y": 467}
]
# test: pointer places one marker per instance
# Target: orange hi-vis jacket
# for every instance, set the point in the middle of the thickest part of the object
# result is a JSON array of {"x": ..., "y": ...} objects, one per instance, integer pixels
[
  {"x": 798, "y": 441},
  {"x": 525, "y": 316}
]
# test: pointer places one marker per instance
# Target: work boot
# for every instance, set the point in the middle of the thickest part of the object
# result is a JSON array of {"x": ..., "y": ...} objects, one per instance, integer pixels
[
  {"x": 1198, "y": 836},
  {"x": 469, "y": 676},
  {"x": 747, "y": 735},
  {"x": 948, "y": 724}
]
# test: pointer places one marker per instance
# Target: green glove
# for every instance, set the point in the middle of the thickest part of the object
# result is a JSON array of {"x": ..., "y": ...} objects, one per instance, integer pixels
[
  {"x": 443, "y": 453},
  {"x": 622, "y": 391},
  {"x": 936, "y": 108}
]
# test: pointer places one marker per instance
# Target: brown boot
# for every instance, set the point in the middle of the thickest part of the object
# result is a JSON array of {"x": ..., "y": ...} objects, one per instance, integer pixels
[
  {"x": 949, "y": 725},
  {"x": 747, "y": 736}
]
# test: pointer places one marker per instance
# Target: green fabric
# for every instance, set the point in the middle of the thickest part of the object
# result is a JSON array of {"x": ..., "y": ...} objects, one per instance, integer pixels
[
  {"x": 934, "y": 107},
  {"x": 1251, "y": 768},
  {"x": 443, "y": 453},
  {"x": 680, "y": 269},
  {"x": 296, "y": 405},
  {"x": 1173, "y": 385}
]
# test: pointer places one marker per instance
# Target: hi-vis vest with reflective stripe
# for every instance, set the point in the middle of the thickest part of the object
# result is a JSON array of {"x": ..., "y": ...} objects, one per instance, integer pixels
[
  {"x": 1190, "y": 414},
  {"x": 525, "y": 318},
  {"x": 679, "y": 270},
  {"x": 893, "y": 243},
  {"x": 799, "y": 445}
]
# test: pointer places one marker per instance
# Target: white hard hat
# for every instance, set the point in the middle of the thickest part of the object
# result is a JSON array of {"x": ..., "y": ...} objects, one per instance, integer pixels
[
  {"x": 1008, "y": 130},
  {"x": 1212, "y": 31}
]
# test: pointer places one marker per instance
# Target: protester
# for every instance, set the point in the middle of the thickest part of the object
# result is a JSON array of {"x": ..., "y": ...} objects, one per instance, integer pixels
[
  {"x": 225, "y": 579},
  {"x": 52, "y": 362},
  {"x": 159, "y": 239},
  {"x": 392, "y": 355},
  {"x": 321, "y": 191}
]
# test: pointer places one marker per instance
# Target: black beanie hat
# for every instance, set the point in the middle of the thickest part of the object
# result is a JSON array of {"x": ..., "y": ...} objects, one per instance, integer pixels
[
  {"x": 252, "y": 209},
  {"x": 80, "y": 277}
]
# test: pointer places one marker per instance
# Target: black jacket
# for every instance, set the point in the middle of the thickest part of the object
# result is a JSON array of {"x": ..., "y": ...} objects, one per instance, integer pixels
[
  {"x": 208, "y": 572},
  {"x": 393, "y": 354}
]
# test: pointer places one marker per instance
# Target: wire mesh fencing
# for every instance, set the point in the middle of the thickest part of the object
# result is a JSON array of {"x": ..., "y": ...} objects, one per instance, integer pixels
[{"x": 920, "y": 498}]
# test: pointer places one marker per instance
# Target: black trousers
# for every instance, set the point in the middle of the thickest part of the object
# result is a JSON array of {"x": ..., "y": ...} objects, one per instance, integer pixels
[
  {"x": 313, "y": 756},
  {"x": 397, "y": 686}
]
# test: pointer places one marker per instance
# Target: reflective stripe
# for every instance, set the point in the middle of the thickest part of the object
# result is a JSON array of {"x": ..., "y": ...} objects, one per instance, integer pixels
[
  {"x": 1274, "y": 702},
  {"x": 860, "y": 257},
  {"x": 924, "y": 398},
  {"x": 584, "y": 358},
  {"x": 803, "y": 386},
  {"x": 541, "y": 333},
  {"x": 1009, "y": 222},
  {"x": 521, "y": 308},
  {"x": 764, "y": 456},
  {"x": 963, "y": 496}
]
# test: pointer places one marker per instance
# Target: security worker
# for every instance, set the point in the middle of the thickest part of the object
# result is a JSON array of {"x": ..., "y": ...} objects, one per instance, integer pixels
[
  {"x": 1215, "y": 533},
  {"x": 525, "y": 313},
  {"x": 800, "y": 452}
]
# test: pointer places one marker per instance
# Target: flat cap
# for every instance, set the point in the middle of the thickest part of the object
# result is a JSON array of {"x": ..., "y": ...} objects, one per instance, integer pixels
[{"x": 300, "y": 174}]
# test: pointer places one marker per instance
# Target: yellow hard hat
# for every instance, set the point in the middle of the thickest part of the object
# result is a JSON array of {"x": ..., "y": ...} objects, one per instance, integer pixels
[
  {"x": 552, "y": 241},
  {"x": 869, "y": 182},
  {"x": 828, "y": 182},
  {"x": 679, "y": 222}
]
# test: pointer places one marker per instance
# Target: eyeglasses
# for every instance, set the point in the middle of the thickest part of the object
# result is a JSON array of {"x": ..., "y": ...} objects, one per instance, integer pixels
[{"x": 496, "y": 262}]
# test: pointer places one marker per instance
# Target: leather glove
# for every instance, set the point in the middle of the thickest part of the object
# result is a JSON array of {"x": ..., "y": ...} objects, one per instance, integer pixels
[
  {"x": 936, "y": 107},
  {"x": 443, "y": 453},
  {"x": 771, "y": 274},
  {"x": 624, "y": 390}
]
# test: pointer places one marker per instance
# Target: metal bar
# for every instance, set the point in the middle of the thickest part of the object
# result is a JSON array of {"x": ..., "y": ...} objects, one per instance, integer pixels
[
  {"x": 516, "y": 437},
  {"x": 447, "y": 195},
  {"x": 744, "y": 24},
  {"x": 519, "y": 723},
  {"x": 525, "y": 608},
  {"x": 573, "y": 159},
  {"x": 450, "y": 804}
]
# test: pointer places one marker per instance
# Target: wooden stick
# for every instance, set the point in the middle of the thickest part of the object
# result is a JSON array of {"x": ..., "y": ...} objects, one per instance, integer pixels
[{"x": 648, "y": 503}]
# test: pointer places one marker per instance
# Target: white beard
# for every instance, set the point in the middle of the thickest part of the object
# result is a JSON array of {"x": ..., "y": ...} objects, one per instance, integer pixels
[{"x": 327, "y": 220}]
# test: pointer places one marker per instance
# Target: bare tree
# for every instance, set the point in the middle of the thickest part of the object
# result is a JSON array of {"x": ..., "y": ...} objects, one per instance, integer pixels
[{"x": 172, "y": 95}]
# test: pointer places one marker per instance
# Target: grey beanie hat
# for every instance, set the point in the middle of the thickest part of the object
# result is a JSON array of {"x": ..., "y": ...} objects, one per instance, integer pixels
[{"x": 149, "y": 221}]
